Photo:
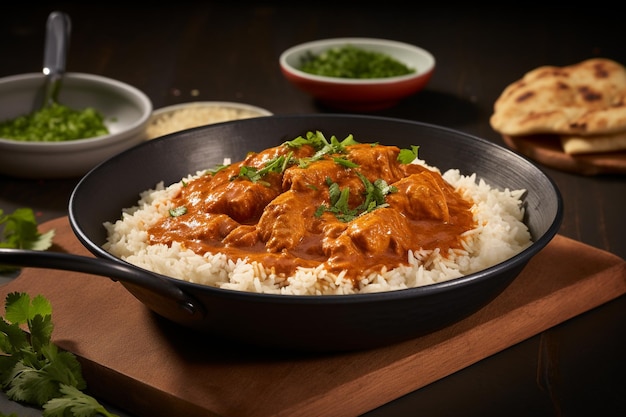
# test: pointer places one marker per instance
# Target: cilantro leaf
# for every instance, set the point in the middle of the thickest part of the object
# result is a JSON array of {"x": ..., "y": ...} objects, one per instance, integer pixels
[
  {"x": 217, "y": 169},
  {"x": 374, "y": 198},
  {"x": 79, "y": 403},
  {"x": 20, "y": 309},
  {"x": 346, "y": 162},
  {"x": 374, "y": 194},
  {"x": 177, "y": 211},
  {"x": 277, "y": 165},
  {"x": 20, "y": 231},
  {"x": 314, "y": 139},
  {"x": 12, "y": 340},
  {"x": 322, "y": 146},
  {"x": 35, "y": 371},
  {"x": 406, "y": 156},
  {"x": 63, "y": 367},
  {"x": 31, "y": 385},
  {"x": 40, "y": 332}
]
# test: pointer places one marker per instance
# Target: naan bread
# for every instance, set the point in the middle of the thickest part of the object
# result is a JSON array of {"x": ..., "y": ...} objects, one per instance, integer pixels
[
  {"x": 576, "y": 144},
  {"x": 588, "y": 98}
]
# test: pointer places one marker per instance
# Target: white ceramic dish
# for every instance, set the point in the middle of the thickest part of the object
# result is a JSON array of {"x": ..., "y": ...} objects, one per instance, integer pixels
[
  {"x": 126, "y": 111},
  {"x": 183, "y": 116},
  {"x": 359, "y": 94}
]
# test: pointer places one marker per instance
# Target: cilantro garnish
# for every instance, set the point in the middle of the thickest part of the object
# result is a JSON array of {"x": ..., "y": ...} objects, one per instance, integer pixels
[
  {"x": 406, "y": 156},
  {"x": 177, "y": 211},
  {"x": 277, "y": 165},
  {"x": 346, "y": 162},
  {"x": 322, "y": 145},
  {"x": 374, "y": 198},
  {"x": 217, "y": 169},
  {"x": 19, "y": 231},
  {"x": 35, "y": 371},
  {"x": 374, "y": 194},
  {"x": 338, "y": 203}
]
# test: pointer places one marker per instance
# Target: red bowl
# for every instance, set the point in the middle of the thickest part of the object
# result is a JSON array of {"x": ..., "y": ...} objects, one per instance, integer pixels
[{"x": 359, "y": 94}]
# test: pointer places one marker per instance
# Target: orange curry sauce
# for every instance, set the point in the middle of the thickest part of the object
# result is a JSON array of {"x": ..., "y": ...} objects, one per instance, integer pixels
[{"x": 277, "y": 222}]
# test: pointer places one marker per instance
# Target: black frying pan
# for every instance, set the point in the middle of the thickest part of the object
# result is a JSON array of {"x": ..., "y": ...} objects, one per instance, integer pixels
[{"x": 315, "y": 323}]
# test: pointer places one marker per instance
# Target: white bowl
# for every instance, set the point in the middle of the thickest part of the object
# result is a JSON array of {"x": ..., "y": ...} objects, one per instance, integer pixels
[
  {"x": 183, "y": 116},
  {"x": 363, "y": 94},
  {"x": 126, "y": 111}
]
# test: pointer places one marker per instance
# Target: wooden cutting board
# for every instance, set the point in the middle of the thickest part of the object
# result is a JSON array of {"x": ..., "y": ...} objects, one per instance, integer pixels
[
  {"x": 547, "y": 150},
  {"x": 139, "y": 362}
]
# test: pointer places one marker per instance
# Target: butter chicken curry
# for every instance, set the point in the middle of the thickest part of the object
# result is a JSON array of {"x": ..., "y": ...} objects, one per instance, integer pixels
[{"x": 350, "y": 206}]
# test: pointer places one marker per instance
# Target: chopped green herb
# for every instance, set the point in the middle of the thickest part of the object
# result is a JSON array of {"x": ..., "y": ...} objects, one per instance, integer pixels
[
  {"x": 252, "y": 174},
  {"x": 323, "y": 147},
  {"x": 406, "y": 156},
  {"x": 55, "y": 123},
  {"x": 350, "y": 61},
  {"x": 374, "y": 198},
  {"x": 277, "y": 165},
  {"x": 346, "y": 162},
  {"x": 217, "y": 169},
  {"x": 374, "y": 194},
  {"x": 178, "y": 211},
  {"x": 319, "y": 142},
  {"x": 338, "y": 203}
]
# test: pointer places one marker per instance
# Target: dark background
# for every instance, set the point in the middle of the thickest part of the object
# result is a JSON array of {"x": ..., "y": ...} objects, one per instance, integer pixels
[{"x": 228, "y": 51}]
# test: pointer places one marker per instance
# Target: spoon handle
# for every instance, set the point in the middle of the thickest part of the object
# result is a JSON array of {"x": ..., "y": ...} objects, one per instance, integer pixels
[{"x": 58, "y": 29}]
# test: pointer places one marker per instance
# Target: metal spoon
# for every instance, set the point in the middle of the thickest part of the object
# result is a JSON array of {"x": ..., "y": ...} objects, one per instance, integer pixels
[{"x": 58, "y": 29}]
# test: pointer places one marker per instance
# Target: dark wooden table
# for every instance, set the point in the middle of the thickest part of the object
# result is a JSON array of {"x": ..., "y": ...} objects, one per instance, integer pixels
[{"x": 214, "y": 51}]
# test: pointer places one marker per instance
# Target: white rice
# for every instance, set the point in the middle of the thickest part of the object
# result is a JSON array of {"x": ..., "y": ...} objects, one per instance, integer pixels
[
  {"x": 500, "y": 234},
  {"x": 195, "y": 116}
]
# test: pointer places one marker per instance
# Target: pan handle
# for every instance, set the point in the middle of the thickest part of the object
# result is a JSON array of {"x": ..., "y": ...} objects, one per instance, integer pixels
[{"x": 103, "y": 267}]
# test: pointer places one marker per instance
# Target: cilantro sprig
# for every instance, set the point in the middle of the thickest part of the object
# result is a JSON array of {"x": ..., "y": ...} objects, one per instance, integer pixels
[
  {"x": 406, "y": 156},
  {"x": 19, "y": 231},
  {"x": 35, "y": 371},
  {"x": 374, "y": 198},
  {"x": 277, "y": 165},
  {"x": 177, "y": 211},
  {"x": 323, "y": 146}
]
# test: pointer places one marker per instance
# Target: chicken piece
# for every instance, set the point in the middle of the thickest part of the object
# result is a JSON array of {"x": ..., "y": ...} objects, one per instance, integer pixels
[
  {"x": 314, "y": 175},
  {"x": 377, "y": 162},
  {"x": 200, "y": 226},
  {"x": 242, "y": 236},
  {"x": 260, "y": 159},
  {"x": 283, "y": 223},
  {"x": 375, "y": 234},
  {"x": 242, "y": 200},
  {"x": 421, "y": 196}
]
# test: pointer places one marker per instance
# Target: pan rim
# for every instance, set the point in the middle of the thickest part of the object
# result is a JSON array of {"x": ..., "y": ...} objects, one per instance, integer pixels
[{"x": 517, "y": 261}]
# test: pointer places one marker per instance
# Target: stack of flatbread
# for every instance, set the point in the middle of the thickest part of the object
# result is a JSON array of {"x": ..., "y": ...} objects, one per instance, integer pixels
[{"x": 584, "y": 105}]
